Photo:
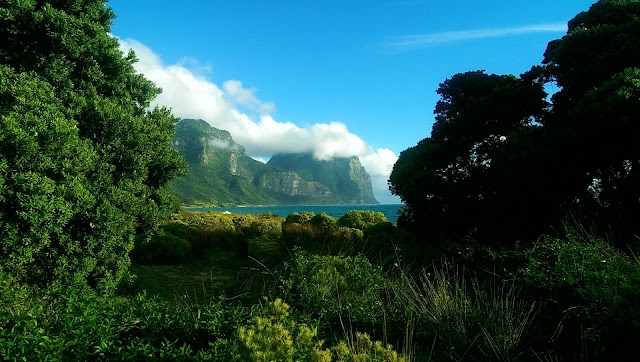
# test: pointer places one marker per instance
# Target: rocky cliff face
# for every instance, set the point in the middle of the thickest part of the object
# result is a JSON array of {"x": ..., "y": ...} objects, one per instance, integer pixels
[
  {"x": 291, "y": 184},
  {"x": 202, "y": 144},
  {"x": 345, "y": 177},
  {"x": 221, "y": 172}
]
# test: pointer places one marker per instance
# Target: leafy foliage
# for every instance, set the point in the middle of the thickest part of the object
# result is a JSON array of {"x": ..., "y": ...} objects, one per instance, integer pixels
[
  {"x": 300, "y": 218},
  {"x": 332, "y": 286},
  {"x": 591, "y": 294},
  {"x": 361, "y": 219},
  {"x": 446, "y": 178},
  {"x": 84, "y": 166},
  {"x": 87, "y": 326},
  {"x": 502, "y": 164},
  {"x": 321, "y": 234},
  {"x": 274, "y": 336},
  {"x": 323, "y": 220}
]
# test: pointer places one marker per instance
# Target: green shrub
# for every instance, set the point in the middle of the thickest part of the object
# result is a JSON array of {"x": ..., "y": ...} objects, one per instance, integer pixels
[
  {"x": 67, "y": 325},
  {"x": 298, "y": 234},
  {"x": 206, "y": 231},
  {"x": 363, "y": 349},
  {"x": 54, "y": 225},
  {"x": 271, "y": 228},
  {"x": 331, "y": 287},
  {"x": 164, "y": 249},
  {"x": 275, "y": 336},
  {"x": 299, "y": 218},
  {"x": 361, "y": 219},
  {"x": 324, "y": 221},
  {"x": 86, "y": 163},
  {"x": 382, "y": 242},
  {"x": 591, "y": 295},
  {"x": 343, "y": 241},
  {"x": 321, "y": 234}
]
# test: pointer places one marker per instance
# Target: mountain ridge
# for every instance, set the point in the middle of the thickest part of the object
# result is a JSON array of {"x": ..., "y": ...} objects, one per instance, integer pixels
[{"x": 222, "y": 174}]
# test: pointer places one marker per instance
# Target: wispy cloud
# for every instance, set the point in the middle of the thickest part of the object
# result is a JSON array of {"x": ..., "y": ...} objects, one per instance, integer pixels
[{"x": 414, "y": 42}]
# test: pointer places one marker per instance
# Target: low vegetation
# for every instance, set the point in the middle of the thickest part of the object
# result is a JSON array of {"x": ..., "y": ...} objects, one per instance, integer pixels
[
  {"x": 487, "y": 263},
  {"x": 236, "y": 289}
]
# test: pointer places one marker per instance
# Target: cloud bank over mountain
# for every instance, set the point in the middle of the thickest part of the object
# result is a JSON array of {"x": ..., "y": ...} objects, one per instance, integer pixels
[{"x": 237, "y": 109}]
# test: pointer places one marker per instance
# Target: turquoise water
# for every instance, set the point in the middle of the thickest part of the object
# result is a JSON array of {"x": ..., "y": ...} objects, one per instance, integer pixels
[{"x": 390, "y": 211}]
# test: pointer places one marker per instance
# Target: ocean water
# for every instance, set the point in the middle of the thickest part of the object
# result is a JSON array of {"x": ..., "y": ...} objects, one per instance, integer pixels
[{"x": 390, "y": 211}]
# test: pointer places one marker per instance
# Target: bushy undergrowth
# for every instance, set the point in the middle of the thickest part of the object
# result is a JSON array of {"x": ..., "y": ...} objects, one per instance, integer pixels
[
  {"x": 334, "y": 288},
  {"x": 563, "y": 299},
  {"x": 591, "y": 292},
  {"x": 357, "y": 232},
  {"x": 72, "y": 325}
]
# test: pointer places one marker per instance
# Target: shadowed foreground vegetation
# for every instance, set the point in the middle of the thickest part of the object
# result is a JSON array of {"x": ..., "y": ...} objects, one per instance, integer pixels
[{"x": 266, "y": 288}]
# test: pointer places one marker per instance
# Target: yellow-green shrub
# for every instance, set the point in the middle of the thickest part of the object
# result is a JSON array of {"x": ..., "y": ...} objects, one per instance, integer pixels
[
  {"x": 299, "y": 218},
  {"x": 298, "y": 234},
  {"x": 324, "y": 221},
  {"x": 274, "y": 336},
  {"x": 205, "y": 231},
  {"x": 361, "y": 219},
  {"x": 267, "y": 227},
  {"x": 363, "y": 349}
]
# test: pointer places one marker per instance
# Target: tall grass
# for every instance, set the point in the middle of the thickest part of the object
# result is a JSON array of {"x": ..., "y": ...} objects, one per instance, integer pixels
[
  {"x": 505, "y": 318},
  {"x": 468, "y": 320}
]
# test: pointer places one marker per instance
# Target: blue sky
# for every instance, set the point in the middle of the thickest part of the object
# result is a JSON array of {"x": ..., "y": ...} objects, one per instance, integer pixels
[{"x": 336, "y": 78}]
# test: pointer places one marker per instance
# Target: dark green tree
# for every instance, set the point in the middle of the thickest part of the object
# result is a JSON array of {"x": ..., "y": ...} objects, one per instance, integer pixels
[
  {"x": 578, "y": 157},
  {"x": 596, "y": 66},
  {"x": 84, "y": 162},
  {"x": 444, "y": 180}
]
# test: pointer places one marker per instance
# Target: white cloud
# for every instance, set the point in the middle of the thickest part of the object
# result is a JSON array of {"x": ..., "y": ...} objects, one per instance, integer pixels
[
  {"x": 246, "y": 97},
  {"x": 413, "y": 42},
  {"x": 379, "y": 164},
  {"x": 250, "y": 121}
]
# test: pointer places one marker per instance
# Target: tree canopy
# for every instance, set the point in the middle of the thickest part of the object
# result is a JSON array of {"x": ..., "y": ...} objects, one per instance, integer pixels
[
  {"x": 84, "y": 162},
  {"x": 505, "y": 160}
]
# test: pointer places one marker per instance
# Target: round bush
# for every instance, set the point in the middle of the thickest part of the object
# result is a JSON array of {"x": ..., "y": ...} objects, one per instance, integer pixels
[
  {"x": 324, "y": 220},
  {"x": 361, "y": 219},
  {"x": 299, "y": 218}
]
